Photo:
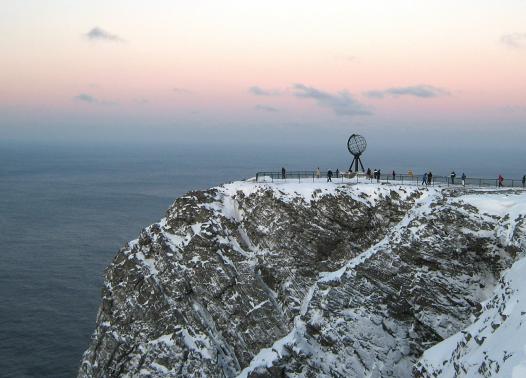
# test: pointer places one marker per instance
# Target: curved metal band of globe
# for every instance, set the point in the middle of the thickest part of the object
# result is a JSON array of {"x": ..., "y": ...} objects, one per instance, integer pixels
[{"x": 356, "y": 146}]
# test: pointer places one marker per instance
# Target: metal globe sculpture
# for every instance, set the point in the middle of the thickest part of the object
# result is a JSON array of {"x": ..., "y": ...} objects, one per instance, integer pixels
[{"x": 356, "y": 146}]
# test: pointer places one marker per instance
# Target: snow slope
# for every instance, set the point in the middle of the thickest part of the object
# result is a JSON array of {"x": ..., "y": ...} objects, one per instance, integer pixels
[{"x": 495, "y": 344}]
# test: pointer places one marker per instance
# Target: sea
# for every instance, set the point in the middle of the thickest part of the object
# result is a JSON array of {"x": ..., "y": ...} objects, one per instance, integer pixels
[{"x": 66, "y": 209}]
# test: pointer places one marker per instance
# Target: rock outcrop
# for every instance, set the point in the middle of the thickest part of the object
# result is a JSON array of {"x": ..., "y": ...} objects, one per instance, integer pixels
[{"x": 266, "y": 280}]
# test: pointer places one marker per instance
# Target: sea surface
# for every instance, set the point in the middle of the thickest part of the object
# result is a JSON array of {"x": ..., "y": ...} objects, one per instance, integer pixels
[{"x": 65, "y": 210}]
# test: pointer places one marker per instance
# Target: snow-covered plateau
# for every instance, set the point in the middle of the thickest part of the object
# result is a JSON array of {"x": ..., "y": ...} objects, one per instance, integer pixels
[{"x": 320, "y": 280}]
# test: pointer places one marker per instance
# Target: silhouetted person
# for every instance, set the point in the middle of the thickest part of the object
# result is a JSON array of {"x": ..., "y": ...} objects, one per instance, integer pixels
[
  {"x": 424, "y": 179},
  {"x": 501, "y": 181},
  {"x": 523, "y": 180},
  {"x": 337, "y": 172},
  {"x": 394, "y": 175},
  {"x": 375, "y": 173},
  {"x": 463, "y": 179},
  {"x": 283, "y": 173},
  {"x": 378, "y": 176},
  {"x": 368, "y": 174},
  {"x": 329, "y": 176},
  {"x": 453, "y": 175},
  {"x": 429, "y": 178}
]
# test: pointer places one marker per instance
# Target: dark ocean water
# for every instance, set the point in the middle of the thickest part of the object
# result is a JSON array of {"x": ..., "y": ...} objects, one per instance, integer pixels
[{"x": 65, "y": 211}]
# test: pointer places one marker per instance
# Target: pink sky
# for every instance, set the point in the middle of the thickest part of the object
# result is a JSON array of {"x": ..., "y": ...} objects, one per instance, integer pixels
[{"x": 441, "y": 60}]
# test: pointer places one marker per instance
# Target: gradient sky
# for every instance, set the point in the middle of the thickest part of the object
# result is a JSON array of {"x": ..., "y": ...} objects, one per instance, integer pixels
[{"x": 111, "y": 69}]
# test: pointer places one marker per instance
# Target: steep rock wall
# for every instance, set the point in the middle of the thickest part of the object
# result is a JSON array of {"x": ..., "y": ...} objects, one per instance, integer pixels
[{"x": 295, "y": 280}]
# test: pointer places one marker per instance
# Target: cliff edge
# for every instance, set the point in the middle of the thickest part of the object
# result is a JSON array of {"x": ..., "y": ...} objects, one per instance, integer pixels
[{"x": 267, "y": 280}]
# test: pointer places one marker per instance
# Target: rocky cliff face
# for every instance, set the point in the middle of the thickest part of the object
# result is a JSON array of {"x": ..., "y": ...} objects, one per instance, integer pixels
[{"x": 261, "y": 280}]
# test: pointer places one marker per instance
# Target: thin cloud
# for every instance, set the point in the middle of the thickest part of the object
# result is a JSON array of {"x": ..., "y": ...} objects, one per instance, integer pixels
[
  {"x": 89, "y": 99},
  {"x": 346, "y": 57},
  {"x": 182, "y": 91},
  {"x": 98, "y": 34},
  {"x": 421, "y": 91},
  {"x": 514, "y": 40},
  {"x": 341, "y": 103},
  {"x": 258, "y": 91},
  {"x": 266, "y": 108},
  {"x": 86, "y": 98},
  {"x": 513, "y": 109}
]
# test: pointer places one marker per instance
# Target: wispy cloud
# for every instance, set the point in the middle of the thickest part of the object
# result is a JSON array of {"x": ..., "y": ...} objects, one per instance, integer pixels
[
  {"x": 182, "y": 91},
  {"x": 422, "y": 91},
  {"x": 514, "y": 40},
  {"x": 513, "y": 109},
  {"x": 142, "y": 101},
  {"x": 342, "y": 103},
  {"x": 266, "y": 108},
  {"x": 98, "y": 34},
  {"x": 258, "y": 91},
  {"x": 89, "y": 99},
  {"x": 346, "y": 57},
  {"x": 86, "y": 98}
]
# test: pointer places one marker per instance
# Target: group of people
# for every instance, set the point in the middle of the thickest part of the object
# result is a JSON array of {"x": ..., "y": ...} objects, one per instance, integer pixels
[
  {"x": 427, "y": 178},
  {"x": 329, "y": 174},
  {"x": 373, "y": 175},
  {"x": 317, "y": 173}
]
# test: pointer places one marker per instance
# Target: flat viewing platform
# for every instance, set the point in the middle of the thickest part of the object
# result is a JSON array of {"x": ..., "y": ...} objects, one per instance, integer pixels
[{"x": 359, "y": 177}]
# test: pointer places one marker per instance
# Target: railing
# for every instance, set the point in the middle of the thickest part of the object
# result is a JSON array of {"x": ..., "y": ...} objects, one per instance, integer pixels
[{"x": 353, "y": 177}]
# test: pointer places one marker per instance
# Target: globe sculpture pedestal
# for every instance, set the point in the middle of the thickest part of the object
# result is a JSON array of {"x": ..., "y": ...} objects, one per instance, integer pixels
[{"x": 356, "y": 146}]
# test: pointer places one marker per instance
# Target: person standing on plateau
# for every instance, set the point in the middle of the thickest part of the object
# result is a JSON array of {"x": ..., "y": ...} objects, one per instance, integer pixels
[{"x": 424, "y": 179}]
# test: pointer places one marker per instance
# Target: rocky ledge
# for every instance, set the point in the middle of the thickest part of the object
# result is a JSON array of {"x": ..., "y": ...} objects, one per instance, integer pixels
[{"x": 313, "y": 280}]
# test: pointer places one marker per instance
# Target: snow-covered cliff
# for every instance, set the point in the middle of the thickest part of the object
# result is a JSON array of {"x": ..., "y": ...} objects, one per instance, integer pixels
[{"x": 262, "y": 280}]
